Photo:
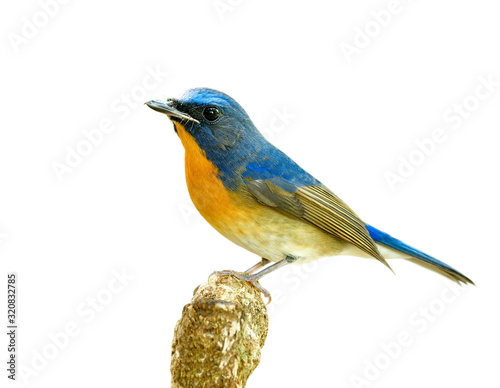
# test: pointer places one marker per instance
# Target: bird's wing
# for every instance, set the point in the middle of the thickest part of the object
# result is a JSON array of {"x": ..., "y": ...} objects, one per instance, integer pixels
[{"x": 316, "y": 205}]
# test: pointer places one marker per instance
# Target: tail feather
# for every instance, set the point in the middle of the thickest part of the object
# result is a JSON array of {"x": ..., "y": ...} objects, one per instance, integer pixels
[{"x": 417, "y": 256}]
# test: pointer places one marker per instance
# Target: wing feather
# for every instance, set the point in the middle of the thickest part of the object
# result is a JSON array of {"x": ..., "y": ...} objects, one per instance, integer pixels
[{"x": 318, "y": 206}]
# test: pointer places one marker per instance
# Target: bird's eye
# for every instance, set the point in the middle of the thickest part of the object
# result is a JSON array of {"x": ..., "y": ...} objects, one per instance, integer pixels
[{"x": 211, "y": 113}]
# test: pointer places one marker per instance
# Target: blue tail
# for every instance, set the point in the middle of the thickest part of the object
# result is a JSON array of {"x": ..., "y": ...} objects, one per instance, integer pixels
[{"x": 421, "y": 258}]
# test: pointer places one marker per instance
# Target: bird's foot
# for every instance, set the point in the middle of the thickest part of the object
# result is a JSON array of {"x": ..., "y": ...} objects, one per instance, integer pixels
[{"x": 248, "y": 278}]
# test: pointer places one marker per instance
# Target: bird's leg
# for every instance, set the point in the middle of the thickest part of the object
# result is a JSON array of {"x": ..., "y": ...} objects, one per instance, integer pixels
[
  {"x": 255, "y": 277},
  {"x": 258, "y": 266},
  {"x": 273, "y": 267}
]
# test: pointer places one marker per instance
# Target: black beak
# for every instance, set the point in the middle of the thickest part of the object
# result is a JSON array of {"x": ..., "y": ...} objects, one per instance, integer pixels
[{"x": 168, "y": 107}]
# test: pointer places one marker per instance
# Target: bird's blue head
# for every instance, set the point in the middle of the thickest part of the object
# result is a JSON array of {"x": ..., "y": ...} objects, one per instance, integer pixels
[
  {"x": 216, "y": 121},
  {"x": 218, "y": 124}
]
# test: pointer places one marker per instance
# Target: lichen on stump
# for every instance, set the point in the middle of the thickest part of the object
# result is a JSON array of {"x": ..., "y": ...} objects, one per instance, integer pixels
[{"x": 218, "y": 340}]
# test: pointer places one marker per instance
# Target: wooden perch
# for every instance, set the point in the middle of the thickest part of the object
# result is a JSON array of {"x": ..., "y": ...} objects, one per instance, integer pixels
[{"x": 217, "y": 341}]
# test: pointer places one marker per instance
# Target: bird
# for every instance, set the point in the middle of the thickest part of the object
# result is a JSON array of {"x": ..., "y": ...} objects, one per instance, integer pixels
[{"x": 260, "y": 199}]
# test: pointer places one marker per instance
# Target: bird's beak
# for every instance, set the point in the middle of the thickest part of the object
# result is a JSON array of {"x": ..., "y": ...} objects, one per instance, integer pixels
[{"x": 168, "y": 107}]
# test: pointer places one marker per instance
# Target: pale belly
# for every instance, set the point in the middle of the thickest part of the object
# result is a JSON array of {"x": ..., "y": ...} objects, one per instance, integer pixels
[
  {"x": 267, "y": 232},
  {"x": 273, "y": 236}
]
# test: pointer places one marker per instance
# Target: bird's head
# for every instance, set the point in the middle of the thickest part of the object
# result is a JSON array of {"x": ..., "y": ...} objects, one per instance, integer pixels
[{"x": 217, "y": 122}]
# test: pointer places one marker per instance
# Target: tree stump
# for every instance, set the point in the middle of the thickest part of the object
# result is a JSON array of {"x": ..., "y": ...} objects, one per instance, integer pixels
[{"x": 218, "y": 340}]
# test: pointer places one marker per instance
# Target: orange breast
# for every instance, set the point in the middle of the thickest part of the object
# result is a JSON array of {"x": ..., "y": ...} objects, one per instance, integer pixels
[{"x": 215, "y": 203}]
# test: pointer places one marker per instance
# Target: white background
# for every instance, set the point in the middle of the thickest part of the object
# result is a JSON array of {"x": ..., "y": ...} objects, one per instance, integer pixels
[{"x": 125, "y": 207}]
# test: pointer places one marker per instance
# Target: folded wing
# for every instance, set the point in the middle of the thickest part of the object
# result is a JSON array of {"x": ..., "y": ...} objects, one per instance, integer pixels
[{"x": 316, "y": 205}]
